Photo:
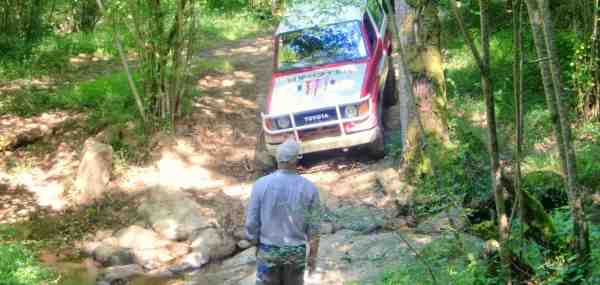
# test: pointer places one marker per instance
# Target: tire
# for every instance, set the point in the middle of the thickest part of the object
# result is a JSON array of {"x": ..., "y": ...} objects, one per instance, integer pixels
[
  {"x": 264, "y": 162},
  {"x": 390, "y": 93},
  {"x": 376, "y": 149}
]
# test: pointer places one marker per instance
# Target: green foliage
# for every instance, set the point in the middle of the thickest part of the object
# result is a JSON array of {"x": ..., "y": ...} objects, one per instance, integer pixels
[
  {"x": 588, "y": 155},
  {"x": 216, "y": 27},
  {"x": 18, "y": 264},
  {"x": 464, "y": 172},
  {"x": 486, "y": 230},
  {"x": 558, "y": 266},
  {"x": 462, "y": 166},
  {"x": 547, "y": 187},
  {"x": 106, "y": 99},
  {"x": 49, "y": 56},
  {"x": 583, "y": 77},
  {"x": 450, "y": 263}
]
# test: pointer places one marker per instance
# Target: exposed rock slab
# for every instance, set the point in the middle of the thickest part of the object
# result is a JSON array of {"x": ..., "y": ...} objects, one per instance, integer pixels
[
  {"x": 175, "y": 215},
  {"x": 344, "y": 257},
  {"x": 361, "y": 219},
  {"x": 213, "y": 244},
  {"x": 148, "y": 248},
  {"x": 451, "y": 219}
]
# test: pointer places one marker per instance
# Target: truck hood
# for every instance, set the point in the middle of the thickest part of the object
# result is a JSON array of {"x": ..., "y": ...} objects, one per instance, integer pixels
[{"x": 317, "y": 89}]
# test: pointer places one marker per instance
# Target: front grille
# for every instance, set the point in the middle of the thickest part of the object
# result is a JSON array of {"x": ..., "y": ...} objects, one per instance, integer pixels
[{"x": 315, "y": 117}]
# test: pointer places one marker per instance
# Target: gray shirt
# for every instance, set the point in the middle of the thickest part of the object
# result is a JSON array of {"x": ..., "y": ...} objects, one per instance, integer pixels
[{"x": 283, "y": 210}]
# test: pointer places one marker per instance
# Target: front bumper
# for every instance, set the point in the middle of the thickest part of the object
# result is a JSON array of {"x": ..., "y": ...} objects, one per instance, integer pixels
[
  {"x": 337, "y": 142},
  {"x": 343, "y": 140}
]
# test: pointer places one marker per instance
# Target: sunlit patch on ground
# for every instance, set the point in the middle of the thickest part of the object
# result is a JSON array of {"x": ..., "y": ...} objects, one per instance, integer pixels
[
  {"x": 246, "y": 47},
  {"x": 42, "y": 83},
  {"x": 15, "y": 131},
  {"x": 83, "y": 58},
  {"x": 41, "y": 170},
  {"x": 16, "y": 204}
]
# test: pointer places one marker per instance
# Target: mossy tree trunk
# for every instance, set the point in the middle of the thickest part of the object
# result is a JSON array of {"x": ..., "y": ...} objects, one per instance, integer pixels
[{"x": 423, "y": 99}]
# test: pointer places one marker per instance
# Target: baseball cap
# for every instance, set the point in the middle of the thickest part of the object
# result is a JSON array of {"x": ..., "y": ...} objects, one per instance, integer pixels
[{"x": 288, "y": 151}]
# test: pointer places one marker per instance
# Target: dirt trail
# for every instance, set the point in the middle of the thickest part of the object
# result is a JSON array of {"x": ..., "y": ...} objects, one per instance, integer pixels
[
  {"x": 212, "y": 149},
  {"x": 211, "y": 154}
]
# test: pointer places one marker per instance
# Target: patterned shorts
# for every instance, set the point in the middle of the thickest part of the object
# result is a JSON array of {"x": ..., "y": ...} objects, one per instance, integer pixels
[{"x": 280, "y": 265}]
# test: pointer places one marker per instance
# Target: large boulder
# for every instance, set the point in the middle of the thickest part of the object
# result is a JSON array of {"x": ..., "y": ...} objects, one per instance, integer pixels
[
  {"x": 94, "y": 170},
  {"x": 192, "y": 261},
  {"x": 214, "y": 244},
  {"x": 450, "y": 219},
  {"x": 148, "y": 248},
  {"x": 176, "y": 216},
  {"x": 109, "y": 255},
  {"x": 234, "y": 271}
]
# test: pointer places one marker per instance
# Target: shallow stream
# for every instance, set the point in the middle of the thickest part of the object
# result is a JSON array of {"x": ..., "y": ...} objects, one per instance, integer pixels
[{"x": 86, "y": 271}]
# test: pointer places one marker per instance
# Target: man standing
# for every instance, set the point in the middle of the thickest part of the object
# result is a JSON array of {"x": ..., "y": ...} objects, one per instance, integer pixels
[{"x": 282, "y": 217}]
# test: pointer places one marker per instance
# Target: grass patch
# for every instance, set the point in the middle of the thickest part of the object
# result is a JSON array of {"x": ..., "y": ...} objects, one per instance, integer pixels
[
  {"x": 18, "y": 264},
  {"x": 217, "y": 26},
  {"x": 212, "y": 65},
  {"x": 58, "y": 231},
  {"x": 450, "y": 265},
  {"x": 50, "y": 56},
  {"x": 107, "y": 99}
]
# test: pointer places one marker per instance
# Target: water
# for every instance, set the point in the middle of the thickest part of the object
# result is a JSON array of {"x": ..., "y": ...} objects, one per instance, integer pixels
[{"x": 86, "y": 271}]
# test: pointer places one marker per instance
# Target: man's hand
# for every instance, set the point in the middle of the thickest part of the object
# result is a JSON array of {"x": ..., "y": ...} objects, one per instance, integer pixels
[{"x": 312, "y": 255}]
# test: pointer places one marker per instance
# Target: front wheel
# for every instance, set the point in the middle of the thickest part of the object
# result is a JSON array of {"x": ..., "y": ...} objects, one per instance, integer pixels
[{"x": 376, "y": 149}]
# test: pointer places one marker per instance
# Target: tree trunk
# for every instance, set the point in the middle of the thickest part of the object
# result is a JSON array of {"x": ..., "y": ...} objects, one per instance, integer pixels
[
  {"x": 404, "y": 25},
  {"x": 595, "y": 62},
  {"x": 86, "y": 15},
  {"x": 518, "y": 97},
  {"x": 483, "y": 62},
  {"x": 576, "y": 196},
  {"x": 35, "y": 21},
  {"x": 486, "y": 86},
  {"x": 419, "y": 33}
]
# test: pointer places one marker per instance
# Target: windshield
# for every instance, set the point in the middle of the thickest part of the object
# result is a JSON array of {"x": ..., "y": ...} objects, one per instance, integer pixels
[{"x": 320, "y": 45}]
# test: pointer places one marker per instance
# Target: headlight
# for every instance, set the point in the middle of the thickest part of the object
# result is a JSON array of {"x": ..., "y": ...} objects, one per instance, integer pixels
[
  {"x": 283, "y": 122},
  {"x": 350, "y": 111}
]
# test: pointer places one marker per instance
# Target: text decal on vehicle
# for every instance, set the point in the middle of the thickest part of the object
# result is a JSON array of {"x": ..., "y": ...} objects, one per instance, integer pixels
[
  {"x": 318, "y": 117},
  {"x": 315, "y": 117}
]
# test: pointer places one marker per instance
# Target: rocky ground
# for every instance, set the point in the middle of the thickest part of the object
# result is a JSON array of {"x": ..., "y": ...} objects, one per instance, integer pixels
[{"x": 189, "y": 199}]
